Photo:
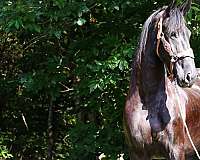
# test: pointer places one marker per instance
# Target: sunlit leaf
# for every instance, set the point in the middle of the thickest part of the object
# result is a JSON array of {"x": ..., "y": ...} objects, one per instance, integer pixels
[{"x": 81, "y": 21}]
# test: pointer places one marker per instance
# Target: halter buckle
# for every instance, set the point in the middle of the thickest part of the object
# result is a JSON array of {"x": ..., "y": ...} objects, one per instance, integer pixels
[{"x": 174, "y": 59}]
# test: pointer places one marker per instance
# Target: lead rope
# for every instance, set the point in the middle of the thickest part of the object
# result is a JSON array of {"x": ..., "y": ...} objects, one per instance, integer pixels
[{"x": 184, "y": 122}]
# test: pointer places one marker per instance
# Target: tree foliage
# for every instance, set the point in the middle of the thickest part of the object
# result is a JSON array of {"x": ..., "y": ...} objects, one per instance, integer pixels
[{"x": 75, "y": 58}]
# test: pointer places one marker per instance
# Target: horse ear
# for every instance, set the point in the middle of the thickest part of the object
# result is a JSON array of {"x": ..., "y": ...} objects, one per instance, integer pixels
[
  {"x": 169, "y": 8},
  {"x": 185, "y": 7}
]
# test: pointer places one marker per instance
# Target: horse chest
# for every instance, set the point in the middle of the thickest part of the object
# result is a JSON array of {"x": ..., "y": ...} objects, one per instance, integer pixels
[
  {"x": 137, "y": 122},
  {"x": 138, "y": 125}
]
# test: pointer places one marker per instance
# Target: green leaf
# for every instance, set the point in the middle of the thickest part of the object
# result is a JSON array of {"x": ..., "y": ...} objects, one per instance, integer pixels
[
  {"x": 123, "y": 65},
  {"x": 17, "y": 24},
  {"x": 116, "y": 7},
  {"x": 57, "y": 34},
  {"x": 93, "y": 85},
  {"x": 195, "y": 8},
  {"x": 81, "y": 21}
]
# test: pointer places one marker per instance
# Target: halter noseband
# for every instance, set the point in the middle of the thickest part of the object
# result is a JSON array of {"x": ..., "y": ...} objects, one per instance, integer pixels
[{"x": 174, "y": 56}]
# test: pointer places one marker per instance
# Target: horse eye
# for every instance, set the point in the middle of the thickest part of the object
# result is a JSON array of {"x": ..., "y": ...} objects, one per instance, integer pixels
[{"x": 173, "y": 35}]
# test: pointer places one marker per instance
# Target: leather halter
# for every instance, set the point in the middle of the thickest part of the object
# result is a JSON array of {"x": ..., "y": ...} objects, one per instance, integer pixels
[{"x": 174, "y": 56}]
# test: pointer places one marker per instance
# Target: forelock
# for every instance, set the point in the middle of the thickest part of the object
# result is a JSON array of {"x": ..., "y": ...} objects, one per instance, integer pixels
[{"x": 175, "y": 21}]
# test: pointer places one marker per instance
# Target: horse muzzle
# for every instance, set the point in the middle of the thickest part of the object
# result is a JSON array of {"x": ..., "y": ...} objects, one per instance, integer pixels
[{"x": 187, "y": 80}]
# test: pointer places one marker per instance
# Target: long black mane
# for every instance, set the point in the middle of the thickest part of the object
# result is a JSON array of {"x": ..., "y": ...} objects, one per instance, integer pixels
[
  {"x": 141, "y": 49},
  {"x": 144, "y": 35}
]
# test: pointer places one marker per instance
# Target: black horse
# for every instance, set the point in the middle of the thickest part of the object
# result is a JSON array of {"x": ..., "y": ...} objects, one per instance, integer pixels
[{"x": 164, "y": 89}]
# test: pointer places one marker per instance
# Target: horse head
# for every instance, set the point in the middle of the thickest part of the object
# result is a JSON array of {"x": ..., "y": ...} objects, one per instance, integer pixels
[{"x": 173, "y": 46}]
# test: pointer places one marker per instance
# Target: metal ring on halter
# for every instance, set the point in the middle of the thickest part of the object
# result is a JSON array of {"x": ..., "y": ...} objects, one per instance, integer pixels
[
  {"x": 162, "y": 35},
  {"x": 174, "y": 59}
]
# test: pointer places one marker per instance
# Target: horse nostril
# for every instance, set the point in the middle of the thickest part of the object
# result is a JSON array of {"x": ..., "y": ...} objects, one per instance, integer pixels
[{"x": 188, "y": 77}]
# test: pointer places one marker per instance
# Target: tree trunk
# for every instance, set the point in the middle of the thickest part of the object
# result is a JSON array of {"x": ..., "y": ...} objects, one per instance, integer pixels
[{"x": 50, "y": 132}]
